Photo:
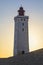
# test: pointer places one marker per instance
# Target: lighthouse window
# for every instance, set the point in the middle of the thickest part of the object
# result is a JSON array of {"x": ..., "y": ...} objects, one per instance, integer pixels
[
  {"x": 24, "y": 19},
  {"x": 22, "y": 29},
  {"x": 23, "y": 52},
  {"x": 18, "y": 19},
  {"x": 23, "y": 24}
]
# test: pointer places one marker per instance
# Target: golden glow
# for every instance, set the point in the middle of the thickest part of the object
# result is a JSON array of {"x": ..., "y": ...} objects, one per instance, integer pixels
[
  {"x": 6, "y": 41},
  {"x": 35, "y": 36}
]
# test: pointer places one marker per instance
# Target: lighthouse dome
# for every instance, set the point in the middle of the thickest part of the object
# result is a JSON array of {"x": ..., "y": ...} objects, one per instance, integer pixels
[{"x": 21, "y": 11}]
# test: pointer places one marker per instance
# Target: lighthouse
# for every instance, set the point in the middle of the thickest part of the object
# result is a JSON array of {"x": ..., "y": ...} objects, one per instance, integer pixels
[{"x": 21, "y": 39}]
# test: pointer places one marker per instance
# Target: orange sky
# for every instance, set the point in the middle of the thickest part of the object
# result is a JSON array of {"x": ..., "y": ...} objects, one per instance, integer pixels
[{"x": 7, "y": 14}]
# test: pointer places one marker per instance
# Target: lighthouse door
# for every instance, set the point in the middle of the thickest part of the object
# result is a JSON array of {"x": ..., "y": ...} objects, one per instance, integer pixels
[{"x": 23, "y": 52}]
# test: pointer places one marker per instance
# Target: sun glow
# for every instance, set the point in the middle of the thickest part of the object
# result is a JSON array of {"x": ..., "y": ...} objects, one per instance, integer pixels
[
  {"x": 35, "y": 36},
  {"x": 33, "y": 42}
]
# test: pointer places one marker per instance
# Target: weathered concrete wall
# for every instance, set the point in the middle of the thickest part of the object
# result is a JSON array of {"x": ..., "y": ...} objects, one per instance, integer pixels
[{"x": 21, "y": 35}]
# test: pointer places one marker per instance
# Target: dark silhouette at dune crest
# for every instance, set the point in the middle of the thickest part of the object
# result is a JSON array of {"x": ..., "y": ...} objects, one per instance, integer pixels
[{"x": 31, "y": 58}]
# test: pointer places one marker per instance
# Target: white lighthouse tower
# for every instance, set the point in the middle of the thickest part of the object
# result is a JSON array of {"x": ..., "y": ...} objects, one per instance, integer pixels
[{"x": 21, "y": 44}]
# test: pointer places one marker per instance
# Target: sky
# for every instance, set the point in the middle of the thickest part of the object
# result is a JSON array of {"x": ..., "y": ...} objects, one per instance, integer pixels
[{"x": 8, "y": 10}]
